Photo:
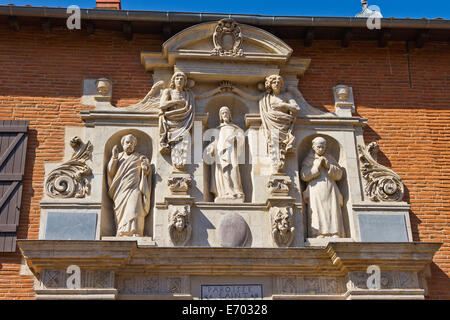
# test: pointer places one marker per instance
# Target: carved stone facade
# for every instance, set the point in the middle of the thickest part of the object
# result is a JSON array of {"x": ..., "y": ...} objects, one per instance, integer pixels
[{"x": 226, "y": 173}]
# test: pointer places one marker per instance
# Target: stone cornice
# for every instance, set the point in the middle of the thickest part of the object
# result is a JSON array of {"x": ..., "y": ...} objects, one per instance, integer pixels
[
  {"x": 50, "y": 254},
  {"x": 336, "y": 259},
  {"x": 411, "y": 256}
]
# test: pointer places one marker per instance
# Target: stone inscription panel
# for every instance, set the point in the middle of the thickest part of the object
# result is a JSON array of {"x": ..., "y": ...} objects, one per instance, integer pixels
[
  {"x": 71, "y": 226},
  {"x": 383, "y": 228},
  {"x": 232, "y": 291}
]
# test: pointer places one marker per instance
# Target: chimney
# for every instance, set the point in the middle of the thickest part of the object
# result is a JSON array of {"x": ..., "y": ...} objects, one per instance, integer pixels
[{"x": 108, "y": 4}]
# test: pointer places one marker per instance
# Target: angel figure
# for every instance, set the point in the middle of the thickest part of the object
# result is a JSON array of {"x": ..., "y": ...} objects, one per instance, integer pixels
[
  {"x": 278, "y": 111},
  {"x": 176, "y": 107}
]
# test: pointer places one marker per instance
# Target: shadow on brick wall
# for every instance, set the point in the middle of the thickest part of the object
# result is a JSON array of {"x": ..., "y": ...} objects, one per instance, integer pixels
[{"x": 28, "y": 192}]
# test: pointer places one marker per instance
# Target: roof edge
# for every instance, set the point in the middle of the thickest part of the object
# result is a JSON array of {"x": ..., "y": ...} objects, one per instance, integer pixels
[{"x": 192, "y": 17}]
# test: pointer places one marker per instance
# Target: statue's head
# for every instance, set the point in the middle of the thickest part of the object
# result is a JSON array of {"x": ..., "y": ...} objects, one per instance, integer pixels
[
  {"x": 128, "y": 143},
  {"x": 103, "y": 85},
  {"x": 342, "y": 92},
  {"x": 274, "y": 84},
  {"x": 225, "y": 114},
  {"x": 319, "y": 145},
  {"x": 178, "y": 80},
  {"x": 364, "y": 4}
]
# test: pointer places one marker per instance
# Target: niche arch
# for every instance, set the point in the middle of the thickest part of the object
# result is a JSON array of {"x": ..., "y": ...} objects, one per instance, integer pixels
[
  {"x": 144, "y": 147},
  {"x": 335, "y": 149}
]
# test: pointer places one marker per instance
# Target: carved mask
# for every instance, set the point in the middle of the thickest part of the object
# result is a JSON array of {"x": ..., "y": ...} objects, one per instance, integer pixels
[{"x": 179, "y": 223}]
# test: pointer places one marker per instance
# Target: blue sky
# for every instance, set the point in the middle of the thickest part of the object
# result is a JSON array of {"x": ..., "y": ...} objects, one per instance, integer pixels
[{"x": 330, "y": 8}]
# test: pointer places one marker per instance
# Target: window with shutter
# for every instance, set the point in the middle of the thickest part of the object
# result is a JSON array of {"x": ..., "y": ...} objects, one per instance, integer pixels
[{"x": 13, "y": 148}]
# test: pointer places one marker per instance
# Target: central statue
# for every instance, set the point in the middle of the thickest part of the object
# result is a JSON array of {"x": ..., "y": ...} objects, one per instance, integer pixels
[{"x": 225, "y": 150}]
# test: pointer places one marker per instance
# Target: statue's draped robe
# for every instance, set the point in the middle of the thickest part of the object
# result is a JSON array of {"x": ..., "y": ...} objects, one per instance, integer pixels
[
  {"x": 176, "y": 122},
  {"x": 276, "y": 122},
  {"x": 130, "y": 190},
  {"x": 323, "y": 197},
  {"x": 226, "y": 180}
]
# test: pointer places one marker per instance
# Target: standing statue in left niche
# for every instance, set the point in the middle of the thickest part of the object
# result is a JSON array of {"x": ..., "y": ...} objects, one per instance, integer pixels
[{"x": 129, "y": 181}]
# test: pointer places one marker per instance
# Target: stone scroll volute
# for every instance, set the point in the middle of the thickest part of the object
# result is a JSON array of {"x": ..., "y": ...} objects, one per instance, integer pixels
[
  {"x": 71, "y": 179},
  {"x": 381, "y": 183}
]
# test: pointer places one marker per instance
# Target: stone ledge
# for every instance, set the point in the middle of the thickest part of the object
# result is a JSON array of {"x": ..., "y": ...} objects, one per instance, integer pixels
[
  {"x": 410, "y": 256},
  {"x": 308, "y": 297},
  {"x": 323, "y": 242},
  {"x": 386, "y": 294},
  {"x": 157, "y": 297},
  {"x": 334, "y": 260},
  {"x": 76, "y": 294},
  {"x": 48, "y": 254}
]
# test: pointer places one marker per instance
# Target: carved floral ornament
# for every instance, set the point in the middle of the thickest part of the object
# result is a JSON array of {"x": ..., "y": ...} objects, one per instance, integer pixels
[
  {"x": 70, "y": 180},
  {"x": 382, "y": 184}
]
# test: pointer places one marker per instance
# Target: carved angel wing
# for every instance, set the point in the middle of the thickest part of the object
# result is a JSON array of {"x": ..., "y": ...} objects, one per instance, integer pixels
[
  {"x": 305, "y": 107},
  {"x": 151, "y": 100}
]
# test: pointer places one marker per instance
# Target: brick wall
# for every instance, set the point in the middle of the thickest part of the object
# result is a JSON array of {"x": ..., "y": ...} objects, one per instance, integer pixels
[{"x": 407, "y": 106}]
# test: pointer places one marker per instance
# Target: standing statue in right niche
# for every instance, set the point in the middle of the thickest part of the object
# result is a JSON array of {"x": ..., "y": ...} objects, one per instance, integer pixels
[
  {"x": 278, "y": 111},
  {"x": 324, "y": 200}
]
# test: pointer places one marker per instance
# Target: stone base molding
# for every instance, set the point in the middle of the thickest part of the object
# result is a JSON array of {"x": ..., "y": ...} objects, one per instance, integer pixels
[{"x": 125, "y": 270}]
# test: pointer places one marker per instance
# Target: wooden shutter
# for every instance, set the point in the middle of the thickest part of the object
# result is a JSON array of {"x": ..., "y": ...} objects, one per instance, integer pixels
[{"x": 13, "y": 149}]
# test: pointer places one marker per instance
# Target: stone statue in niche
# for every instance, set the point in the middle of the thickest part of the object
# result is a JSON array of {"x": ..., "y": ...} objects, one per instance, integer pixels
[
  {"x": 129, "y": 186},
  {"x": 225, "y": 150},
  {"x": 177, "y": 107},
  {"x": 282, "y": 227},
  {"x": 278, "y": 111},
  {"x": 322, "y": 195},
  {"x": 227, "y": 39},
  {"x": 180, "y": 228}
]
